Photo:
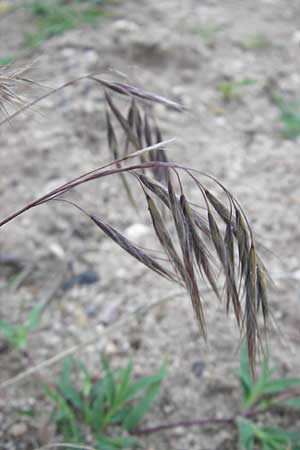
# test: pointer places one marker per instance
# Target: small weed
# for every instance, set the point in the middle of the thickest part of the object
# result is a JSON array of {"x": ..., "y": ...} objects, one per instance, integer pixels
[
  {"x": 289, "y": 116},
  {"x": 6, "y": 59},
  {"x": 256, "y": 41},
  {"x": 264, "y": 395},
  {"x": 113, "y": 401},
  {"x": 55, "y": 17},
  {"x": 233, "y": 89},
  {"x": 17, "y": 335},
  {"x": 208, "y": 33}
]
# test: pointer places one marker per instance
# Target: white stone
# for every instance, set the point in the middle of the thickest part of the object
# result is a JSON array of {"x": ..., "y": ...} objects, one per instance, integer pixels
[
  {"x": 124, "y": 26},
  {"x": 296, "y": 37},
  {"x": 137, "y": 232},
  {"x": 57, "y": 250},
  {"x": 111, "y": 349},
  {"x": 90, "y": 57}
]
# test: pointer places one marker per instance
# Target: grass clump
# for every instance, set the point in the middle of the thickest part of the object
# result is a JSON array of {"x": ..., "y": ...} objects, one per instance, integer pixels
[
  {"x": 108, "y": 407},
  {"x": 55, "y": 17}
]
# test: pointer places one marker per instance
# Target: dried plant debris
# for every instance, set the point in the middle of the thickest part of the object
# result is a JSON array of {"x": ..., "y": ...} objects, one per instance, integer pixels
[{"x": 199, "y": 240}]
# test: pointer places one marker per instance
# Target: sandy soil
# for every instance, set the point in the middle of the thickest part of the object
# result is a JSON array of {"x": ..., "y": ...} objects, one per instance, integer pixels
[{"x": 182, "y": 50}]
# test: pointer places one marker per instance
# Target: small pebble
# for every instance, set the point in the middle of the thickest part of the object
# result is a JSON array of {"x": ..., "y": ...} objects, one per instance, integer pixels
[
  {"x": 83, "y": 278},
  {"x": 88, "y": 277},
  {"x": 124, "y": 26},
  {"x": 296, "y": 37},
  {"x": 57, "y": 250},
  {"x": 137, "y": 232},
  {"x": 179, "y": 431},
  {"x": 111, "y": 349},
  {"x": 198, "y": 368},
  {"x": 109, "y": 313},
  {"x": 18, "y": 429}
]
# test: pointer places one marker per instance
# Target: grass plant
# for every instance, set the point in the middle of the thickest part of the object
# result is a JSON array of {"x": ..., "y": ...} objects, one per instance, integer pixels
[{"x": 112, "y": 401}]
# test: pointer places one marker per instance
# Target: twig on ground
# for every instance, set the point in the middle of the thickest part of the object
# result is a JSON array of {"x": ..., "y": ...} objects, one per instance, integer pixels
[
  {"x": 186, "y": 424},
  {"x": 65, "y": 445},
  {"x": 201, "y": 422}
]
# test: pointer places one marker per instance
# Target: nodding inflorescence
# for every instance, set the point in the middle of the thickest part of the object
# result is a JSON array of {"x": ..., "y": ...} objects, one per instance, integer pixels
[{"x": 214, "y": 238}]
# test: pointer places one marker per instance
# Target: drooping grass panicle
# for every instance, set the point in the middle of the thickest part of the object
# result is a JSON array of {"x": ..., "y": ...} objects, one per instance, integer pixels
[{"x": 215, "y": 238}]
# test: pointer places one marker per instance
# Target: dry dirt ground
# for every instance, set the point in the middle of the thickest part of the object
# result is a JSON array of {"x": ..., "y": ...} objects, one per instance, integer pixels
[{"x": 183, "y": 50}]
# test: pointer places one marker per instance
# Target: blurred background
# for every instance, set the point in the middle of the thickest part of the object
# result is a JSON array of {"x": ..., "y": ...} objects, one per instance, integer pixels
[{"x": 235, "y": 66}]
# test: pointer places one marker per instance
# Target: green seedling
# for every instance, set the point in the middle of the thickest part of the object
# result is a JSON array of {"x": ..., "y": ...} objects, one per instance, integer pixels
[
  {"x": 256, "y": 41},
  {"x": 263, "y": 395},
  {"x": 289, "y": 115},
  {"x": 113, "y": 401},
  {"x": 233, "y": 89},
  {"x": 208, "y": 33},
  {"x": 6, "y": 59},
  {"x": 267, "y": 438},
  {"x": 17, "y": 335}
]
